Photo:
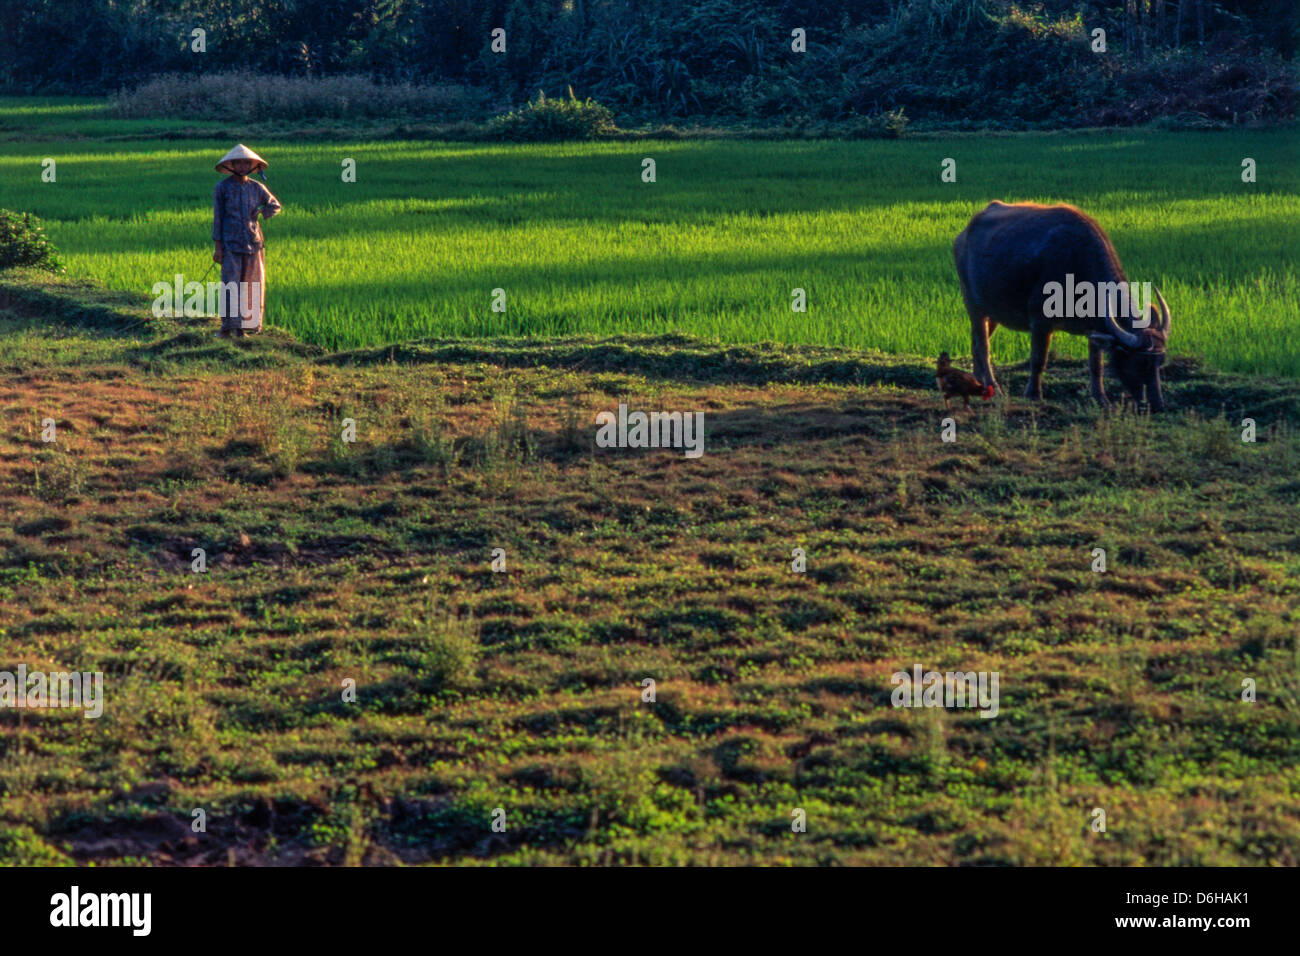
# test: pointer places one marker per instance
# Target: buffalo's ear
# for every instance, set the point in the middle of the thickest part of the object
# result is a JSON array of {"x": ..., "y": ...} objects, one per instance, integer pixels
[{"x": 1102, "y": 339}]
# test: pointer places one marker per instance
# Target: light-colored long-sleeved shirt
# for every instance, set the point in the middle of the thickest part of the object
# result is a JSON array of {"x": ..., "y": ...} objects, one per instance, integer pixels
[{"x": 234, "y": 214}]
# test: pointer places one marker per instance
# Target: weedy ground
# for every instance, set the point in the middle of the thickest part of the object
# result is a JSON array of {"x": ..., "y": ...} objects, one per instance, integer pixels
[{"x": 370, "y": 561}]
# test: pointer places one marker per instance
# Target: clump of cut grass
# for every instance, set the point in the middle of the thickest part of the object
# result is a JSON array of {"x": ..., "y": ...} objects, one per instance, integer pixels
[
  {"x": 451, "y": 651},
  {"x": 58, "y": 474},
  {"x": 546, "y": 120},
  {"x": 887, "y": 125},
  {"x": 420, "y": 417},
  {"x": 574, "y": 434},
  {"x": 510, "y": 441}
]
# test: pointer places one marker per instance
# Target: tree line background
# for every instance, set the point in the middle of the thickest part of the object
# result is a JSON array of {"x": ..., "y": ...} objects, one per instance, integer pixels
[{"x": 943, "y": 61}]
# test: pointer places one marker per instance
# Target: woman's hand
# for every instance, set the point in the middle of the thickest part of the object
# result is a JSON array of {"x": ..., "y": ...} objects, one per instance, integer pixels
[{"x": 216, "y": 253}]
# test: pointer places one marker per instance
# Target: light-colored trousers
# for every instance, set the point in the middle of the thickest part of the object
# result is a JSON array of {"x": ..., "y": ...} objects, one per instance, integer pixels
[{"x": 249, "y": 271}]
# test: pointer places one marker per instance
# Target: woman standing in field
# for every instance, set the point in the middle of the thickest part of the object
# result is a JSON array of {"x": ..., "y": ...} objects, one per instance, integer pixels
[{"x": 238, "y": 239}]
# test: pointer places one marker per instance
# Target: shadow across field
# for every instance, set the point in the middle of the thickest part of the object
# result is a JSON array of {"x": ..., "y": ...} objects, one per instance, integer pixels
[
  {"x": 34, "y": 301},
  {"x": 689, "y": 360}
]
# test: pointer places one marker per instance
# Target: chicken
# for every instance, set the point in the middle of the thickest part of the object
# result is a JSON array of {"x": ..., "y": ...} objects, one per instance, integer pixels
[{"x": 953, "y": 381}]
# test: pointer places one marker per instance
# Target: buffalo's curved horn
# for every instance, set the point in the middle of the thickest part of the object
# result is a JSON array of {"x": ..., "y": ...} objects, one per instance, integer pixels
[
  {"x": 1127, "y": 339},
  {"x": 1166, "y": 318}
]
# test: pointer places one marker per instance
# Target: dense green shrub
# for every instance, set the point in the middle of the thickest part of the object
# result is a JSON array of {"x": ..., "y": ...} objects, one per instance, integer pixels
[
  {"x": 23, "y": 242},
  {"x": 547, "y": 120}
]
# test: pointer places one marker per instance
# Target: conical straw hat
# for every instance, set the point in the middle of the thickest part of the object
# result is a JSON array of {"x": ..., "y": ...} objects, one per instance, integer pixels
[{"x": 241, "y": 152}]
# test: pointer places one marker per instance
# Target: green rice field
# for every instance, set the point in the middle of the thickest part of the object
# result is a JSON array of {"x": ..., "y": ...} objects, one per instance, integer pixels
[{"x": 580, "y": 244}]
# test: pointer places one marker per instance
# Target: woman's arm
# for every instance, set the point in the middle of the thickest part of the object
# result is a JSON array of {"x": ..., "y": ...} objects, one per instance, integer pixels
[{"x": 270, "y": 206}]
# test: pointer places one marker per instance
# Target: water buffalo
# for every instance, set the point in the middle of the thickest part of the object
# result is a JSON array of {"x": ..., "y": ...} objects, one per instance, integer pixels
[{"x": 1020, "y": 263}]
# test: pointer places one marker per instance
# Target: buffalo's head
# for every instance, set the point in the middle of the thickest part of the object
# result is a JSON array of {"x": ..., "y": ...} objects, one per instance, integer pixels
[{"x": 1136, "y": 356}]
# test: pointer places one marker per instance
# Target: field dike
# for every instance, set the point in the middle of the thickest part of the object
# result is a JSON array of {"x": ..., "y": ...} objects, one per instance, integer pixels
[{"x": 520, "y": 689}]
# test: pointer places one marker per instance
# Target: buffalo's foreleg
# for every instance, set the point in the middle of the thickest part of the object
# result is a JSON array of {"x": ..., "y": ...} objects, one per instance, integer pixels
[
  {"x": 1097, "y": 383},
  {"x": 980, "y": 329},
  {"x": 1155, "y": 399},
  {"x": 1040, "y": 341}
]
